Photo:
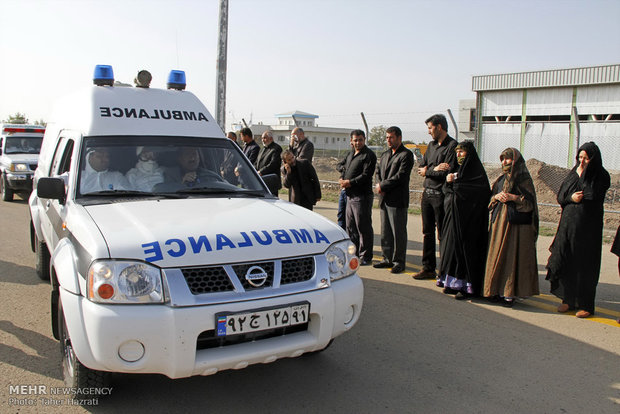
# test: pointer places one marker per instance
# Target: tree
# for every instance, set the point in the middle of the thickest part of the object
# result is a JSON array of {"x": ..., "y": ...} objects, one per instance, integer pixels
[
  {"x": 377, "y": 136},
  {"x": 17, "y": 118}
]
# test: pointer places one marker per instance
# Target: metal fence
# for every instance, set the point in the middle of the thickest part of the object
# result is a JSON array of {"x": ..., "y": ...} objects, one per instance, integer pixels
[{"x": 551, "y": 148}]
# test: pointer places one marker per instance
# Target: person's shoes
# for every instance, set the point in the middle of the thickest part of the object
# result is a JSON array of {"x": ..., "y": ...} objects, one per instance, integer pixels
[
  {"x": 439, "y": 283},
  {"x": 493, "y": 299},
  {"x": 450, "y": 291},
  {"x": 508, "y": 303},
  {"x": 424, "y": 274},
  {"x": 364, "y": 262},
  {"x": 563, "y": 308},
  {"x": 382, "y": 265},
  {"x": 398, "y": 268},
  {"x": 462, "y": 296},
  {"x": 583, "y": 314}
]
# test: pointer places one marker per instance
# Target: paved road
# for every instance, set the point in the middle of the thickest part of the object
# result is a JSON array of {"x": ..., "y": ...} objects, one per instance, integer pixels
[{"x": 415, "y": 350}]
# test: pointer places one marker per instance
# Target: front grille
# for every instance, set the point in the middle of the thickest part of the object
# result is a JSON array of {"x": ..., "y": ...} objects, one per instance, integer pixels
[
  {"x": 207, "y": 280},
  {"x": 297, "y": 270},
  {"x": 213, "y": 279},
  {"x": 207, "y": 339},
  {"x": 242, "y": 269}
]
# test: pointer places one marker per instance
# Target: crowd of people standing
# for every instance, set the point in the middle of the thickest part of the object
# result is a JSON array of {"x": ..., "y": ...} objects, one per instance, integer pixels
[{"x": 487, "y": 234}]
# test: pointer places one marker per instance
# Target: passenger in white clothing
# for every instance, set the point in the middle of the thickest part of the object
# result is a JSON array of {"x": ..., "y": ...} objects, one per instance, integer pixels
[
  {"x": 147, "y": 171},
  {"x": 97, "y": 177}
]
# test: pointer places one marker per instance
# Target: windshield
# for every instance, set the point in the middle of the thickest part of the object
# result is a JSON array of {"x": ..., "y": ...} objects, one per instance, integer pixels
[
  {"x": 23, "y": 145},
  {"x": 166, "y": 166}
]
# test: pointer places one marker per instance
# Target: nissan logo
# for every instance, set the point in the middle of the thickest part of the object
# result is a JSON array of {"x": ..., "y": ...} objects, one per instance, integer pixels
[{"x": 256, "y": 276}]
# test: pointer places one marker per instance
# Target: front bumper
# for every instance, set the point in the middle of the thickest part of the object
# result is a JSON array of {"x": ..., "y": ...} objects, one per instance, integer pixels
[
  {"x": 19, "y": 182},
  {"x": 168, "y": 335}
]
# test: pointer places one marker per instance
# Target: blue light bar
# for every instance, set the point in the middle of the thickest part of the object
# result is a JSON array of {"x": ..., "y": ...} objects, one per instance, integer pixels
[
  {"x": 176, "y": 80},
  {"x": 104, "y": 75}
]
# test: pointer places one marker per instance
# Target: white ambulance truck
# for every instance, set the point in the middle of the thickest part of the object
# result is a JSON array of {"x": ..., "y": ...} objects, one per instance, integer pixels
[
  {"x": 19, "y": 152},
  {"x": 159, "y": 264}
]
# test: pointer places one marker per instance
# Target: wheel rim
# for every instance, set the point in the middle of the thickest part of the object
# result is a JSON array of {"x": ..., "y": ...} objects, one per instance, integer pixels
[{"x": 68, "y": 354}]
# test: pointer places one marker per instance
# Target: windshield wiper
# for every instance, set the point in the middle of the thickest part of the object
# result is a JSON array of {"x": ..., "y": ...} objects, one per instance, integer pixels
[
  {"x": 130, "y": 193},
  {"x": 117, "y": 192},
  {"x": 205, "y": 190}
]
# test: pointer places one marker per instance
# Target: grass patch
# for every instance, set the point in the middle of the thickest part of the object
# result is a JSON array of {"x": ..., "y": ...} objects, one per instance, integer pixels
[
  {"x": 330, "y": 196},
  {"x": 414, "y": 210},
  {"x": 547, "y": 231}
]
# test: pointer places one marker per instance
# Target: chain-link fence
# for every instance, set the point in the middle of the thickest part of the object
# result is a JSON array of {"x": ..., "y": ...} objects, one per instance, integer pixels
[
  {"x": 540, "y": 143},
  {"x": 550, "y": 156},
  {"x": 547, "y": 181}
]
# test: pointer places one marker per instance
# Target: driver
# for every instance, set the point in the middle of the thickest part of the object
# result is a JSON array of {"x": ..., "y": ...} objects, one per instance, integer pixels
[
  {"x": 188, "y": 173},
  {"x": 26, "y": 147}
]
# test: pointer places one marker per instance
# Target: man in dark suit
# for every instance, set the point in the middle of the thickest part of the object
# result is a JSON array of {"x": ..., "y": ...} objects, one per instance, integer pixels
[
  {"x": 269, "y": 158},
  {"x": 393, "y": 177},
  {"x": 301, "y": 147},
  {"x": 299, "y": 176},
  {"x": 250, "y": 147},
  {"x": 356, "y": 180}
]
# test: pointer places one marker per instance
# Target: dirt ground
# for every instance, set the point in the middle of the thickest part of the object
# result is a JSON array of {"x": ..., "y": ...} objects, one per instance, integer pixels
[{"x": 547, "y": 180}]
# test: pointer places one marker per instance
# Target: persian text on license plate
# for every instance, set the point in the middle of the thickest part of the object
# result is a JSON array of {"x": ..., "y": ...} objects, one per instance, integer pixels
[{"x": 263, "y": 319}]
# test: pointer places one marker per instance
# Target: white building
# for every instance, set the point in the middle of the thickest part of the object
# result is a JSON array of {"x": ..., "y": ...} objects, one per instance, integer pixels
[
  {"x": 467, "y": 119},
  {"x": 323, "y": 138},
  {"x": 548, "y": 114}
]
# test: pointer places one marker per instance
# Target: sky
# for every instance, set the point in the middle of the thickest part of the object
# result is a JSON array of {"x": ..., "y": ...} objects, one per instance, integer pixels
[{"x": 397, "y": 61}]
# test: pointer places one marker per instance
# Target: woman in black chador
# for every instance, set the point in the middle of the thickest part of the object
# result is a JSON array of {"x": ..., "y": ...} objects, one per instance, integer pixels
[
  {"x": 463, "y": 246},
  {"x": 575, "y": 262}
]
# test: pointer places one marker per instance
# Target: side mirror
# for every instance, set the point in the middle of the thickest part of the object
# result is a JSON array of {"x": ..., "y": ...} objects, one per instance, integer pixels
[
  {"x": 53, "y": 188},
  {"x": 273, "y": 182}
]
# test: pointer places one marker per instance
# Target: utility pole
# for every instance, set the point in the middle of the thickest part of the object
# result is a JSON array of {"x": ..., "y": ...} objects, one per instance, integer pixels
[
  {"x": 220, "y": 88},
  {"x": 456, "y": 128},
  {"x": 365, "y": 125}
]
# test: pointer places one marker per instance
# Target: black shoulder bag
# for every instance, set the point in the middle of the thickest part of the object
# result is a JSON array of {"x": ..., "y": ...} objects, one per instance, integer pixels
[{"x": 517, "y": 217}]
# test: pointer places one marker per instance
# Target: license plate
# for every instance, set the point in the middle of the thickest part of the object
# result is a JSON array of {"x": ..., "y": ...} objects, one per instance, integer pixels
[{"x": 262, "y": 319}]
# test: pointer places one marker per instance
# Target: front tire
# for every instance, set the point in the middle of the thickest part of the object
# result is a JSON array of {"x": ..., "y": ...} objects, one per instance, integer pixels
[
  {"x": 42, "y": 261},
  {"x": 76, "y": 375},
  {"x": 5, "y": 192}
]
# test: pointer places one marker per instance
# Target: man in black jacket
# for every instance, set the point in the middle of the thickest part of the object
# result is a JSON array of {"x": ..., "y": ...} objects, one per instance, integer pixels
[
  {"x": 342, "y": 197},
  {"x": 301, "y": 147},
  {"x": 269, "y": 160},
  {"x": 393, "y": 175},
  {"x": 299, "y": 176},
  {"x": 439, "y": 159},
  {"x": 356, "y": 180},
  {"x": 250, "y": 147}
]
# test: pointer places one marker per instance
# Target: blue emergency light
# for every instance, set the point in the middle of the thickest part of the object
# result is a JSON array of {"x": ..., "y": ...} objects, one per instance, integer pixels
[
  {"x": 176, "y": 80},
  {"x": 104, "y": 75}
]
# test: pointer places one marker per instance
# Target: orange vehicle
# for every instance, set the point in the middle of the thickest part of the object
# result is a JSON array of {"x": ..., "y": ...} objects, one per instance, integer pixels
[{"x": 418, "y": 150}]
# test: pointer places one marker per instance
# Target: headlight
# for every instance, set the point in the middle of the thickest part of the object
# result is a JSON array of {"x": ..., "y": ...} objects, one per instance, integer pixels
[
  {"x": 19, "y": 167},
  {"x": 341, "y": 259},
  {"x": 124, "y": 282}
]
